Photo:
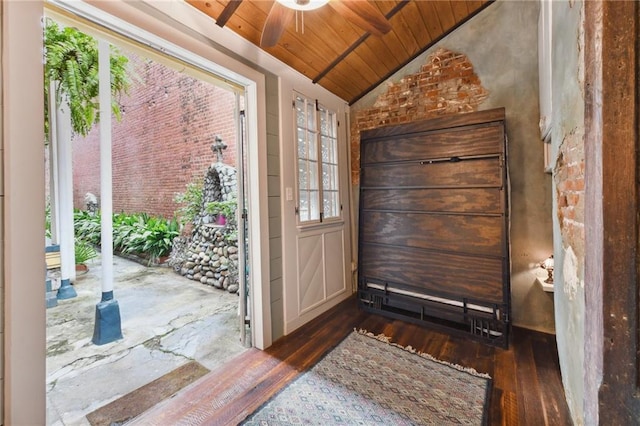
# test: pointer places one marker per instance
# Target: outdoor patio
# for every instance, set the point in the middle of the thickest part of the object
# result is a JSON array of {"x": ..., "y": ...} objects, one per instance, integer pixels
[{"x": 167, "y": 321}]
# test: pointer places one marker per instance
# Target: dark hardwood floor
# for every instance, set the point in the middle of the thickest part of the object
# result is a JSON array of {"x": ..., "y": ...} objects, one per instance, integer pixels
[{"x": 527, "y": 388}]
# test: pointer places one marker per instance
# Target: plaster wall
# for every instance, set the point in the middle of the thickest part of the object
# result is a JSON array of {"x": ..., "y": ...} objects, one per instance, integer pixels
[
  {"x": 567, "y": 138},
  {"x": 502, "y": 42}
]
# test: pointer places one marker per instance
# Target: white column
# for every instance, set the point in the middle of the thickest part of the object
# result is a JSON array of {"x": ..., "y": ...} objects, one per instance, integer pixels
[
  {"x": 108, "y": 326},
  {"x": 54, "y": 201},
  {"x": 106, "y": 198},
  {"x": 65, "y": 181}
]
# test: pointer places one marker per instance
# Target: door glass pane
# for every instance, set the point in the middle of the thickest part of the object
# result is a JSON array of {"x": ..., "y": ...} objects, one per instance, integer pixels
[
  {"x": 302, "y": 144},
  {"x": 314, "y": 210},
  {"x": 311, "y": 116},
  {"x": 326, "y": 149},
  {"x": 313, "y": 175},
  {"x": 300, "y": 112},
  {"x": 303, "y": 175},
  {"x": 324, "y": 123},
  {"x": 331, "y": 204},
  {"x": 329, "y": 177},
  {"x": 304, "y": 205},
  {"x": 317, "y": 152},
  {"x": 329, "y": 150},
  {"x": 313, "y": 145}
]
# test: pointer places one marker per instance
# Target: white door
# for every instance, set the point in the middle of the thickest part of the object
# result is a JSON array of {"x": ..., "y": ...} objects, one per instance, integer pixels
[{"x": 316, "y": 213}]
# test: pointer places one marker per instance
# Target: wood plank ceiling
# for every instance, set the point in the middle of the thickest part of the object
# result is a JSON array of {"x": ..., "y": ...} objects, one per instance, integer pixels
[{"x": 335, "y": 53}]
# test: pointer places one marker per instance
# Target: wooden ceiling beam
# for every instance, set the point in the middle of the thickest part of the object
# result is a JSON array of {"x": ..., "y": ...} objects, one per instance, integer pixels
[
  {"x": 340, "y": 55},
  {"x": 427, "y": 47},
  {"x": 358, "y": 42},
  {"x": 227, "y": 12}
]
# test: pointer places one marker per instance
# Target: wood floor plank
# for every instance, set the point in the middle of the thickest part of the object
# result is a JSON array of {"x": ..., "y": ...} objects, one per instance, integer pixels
[
  {"x": 526, "y": 385},
  {"x": 504, "y": 370},
  {"x": 436, "y": 343},
  {"x": 547, "y": 365},
  {"x": 509, "y": 409},
  {"x": 485, "y": 359},
  {"x": 495, "y": 411},
  {"x": 214, "y": 390}
]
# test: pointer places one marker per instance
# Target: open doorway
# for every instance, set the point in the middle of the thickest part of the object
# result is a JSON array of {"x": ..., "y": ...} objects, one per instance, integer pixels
[{"x": 207, "y": 165}]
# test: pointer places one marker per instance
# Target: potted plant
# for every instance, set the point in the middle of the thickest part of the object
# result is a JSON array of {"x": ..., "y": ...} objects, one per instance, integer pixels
[
  {"x": 223, "y": 210},
  {"x": 84, "y": 252}
]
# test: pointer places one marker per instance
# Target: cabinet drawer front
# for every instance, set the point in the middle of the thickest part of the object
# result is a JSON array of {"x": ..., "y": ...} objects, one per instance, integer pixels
[
  {"x": 461, "y": 234},
  {"x": 468, "y": 173},
  {"x": 463, "y": 200},
  {"x": 457, "y": 142},
  {"x": 456, "y": 275}
]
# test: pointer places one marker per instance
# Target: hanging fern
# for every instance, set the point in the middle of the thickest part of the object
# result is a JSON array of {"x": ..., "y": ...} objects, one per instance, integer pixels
[{"x": 71, "y": 58}]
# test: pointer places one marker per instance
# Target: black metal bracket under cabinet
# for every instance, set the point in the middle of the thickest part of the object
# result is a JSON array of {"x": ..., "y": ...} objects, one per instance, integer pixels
[
  {"x": 434, "y": 224},
  {"x": 488, "y": 323}
]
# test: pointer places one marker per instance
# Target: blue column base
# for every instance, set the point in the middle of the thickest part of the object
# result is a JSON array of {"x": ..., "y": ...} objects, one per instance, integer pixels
[
  {"x": 107, "y": 327},
  {"x": 66, "y": 291},
  {"x": 50, "y": 295}
]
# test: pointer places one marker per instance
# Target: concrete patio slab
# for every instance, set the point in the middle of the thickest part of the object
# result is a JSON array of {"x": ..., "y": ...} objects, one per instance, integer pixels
[{"x": 167, "y": 321}]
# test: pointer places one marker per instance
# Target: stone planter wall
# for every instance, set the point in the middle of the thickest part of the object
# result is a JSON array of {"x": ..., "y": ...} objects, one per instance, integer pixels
[{"x": 210, "y": 254}]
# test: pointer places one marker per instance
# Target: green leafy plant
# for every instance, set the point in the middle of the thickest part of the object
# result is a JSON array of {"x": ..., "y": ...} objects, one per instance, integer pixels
[
  {"x": 190, "y": 201},
  {"x": 139, "y": 234},
  {"x": 159, "y": 238},
  {"x": 232, "y": 236},
  {"x": 47, "y": 220},
  {"x": 126, "y": 229},
  {"x": 71, "y": 59},
  {"x": 152, "y": 237},
  {"x": 226, "y": 208},
  {"x": 87, "y": 226},
  {"x": 84, "y": 251}
]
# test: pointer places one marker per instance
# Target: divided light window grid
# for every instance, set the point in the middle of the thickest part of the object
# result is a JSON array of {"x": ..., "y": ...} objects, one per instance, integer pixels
[{"x": 317, "y": 153}]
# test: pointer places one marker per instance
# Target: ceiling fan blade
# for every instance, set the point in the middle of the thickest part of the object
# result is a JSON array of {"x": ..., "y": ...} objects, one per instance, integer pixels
[
  {"x": 277, "y": 20},
  {"x": 363, "y": 14}
]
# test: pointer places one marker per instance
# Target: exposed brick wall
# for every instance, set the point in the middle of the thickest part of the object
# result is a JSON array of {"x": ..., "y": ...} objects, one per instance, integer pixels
[
  {"x": 569, "y": 179},
  {"x": 162, "y": 142},
  {"x": 445, "y": 84}
]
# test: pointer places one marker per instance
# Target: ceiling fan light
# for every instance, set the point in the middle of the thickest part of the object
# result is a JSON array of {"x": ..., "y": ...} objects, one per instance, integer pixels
[{"x": 303, "y": 4}]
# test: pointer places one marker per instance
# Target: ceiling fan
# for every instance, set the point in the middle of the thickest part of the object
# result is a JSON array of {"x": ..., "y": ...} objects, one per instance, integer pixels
[{"x": 359, "y": 12}]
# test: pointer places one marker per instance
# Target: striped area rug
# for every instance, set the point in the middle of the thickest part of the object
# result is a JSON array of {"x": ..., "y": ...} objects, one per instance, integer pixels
[{"x": 367, "y": 380}]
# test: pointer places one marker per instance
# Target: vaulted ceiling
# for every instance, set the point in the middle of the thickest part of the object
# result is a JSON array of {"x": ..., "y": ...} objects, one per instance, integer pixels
[{"x": 339, "y": 55}]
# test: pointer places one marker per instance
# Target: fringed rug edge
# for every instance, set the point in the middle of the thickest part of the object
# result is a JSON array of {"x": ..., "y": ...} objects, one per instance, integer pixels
[{"x": 385, "y": 339}]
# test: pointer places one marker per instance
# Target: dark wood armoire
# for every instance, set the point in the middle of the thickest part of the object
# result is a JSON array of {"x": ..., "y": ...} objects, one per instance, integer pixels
[{"x": 434, "y": 224}]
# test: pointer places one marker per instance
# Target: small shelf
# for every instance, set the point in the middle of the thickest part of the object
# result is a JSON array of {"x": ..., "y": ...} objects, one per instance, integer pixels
[{"x": 548, "y": 287}]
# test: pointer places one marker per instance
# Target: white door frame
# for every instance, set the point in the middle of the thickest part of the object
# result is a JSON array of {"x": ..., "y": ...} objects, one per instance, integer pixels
[
  {"x": 22, "y": 210},
  {"x": 130, "y": 22},
  {"x": 22, "y": 194}
]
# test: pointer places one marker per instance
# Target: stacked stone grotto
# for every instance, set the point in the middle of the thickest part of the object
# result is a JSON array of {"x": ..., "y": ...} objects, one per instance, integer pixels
[{"x": 210, "y": 255}]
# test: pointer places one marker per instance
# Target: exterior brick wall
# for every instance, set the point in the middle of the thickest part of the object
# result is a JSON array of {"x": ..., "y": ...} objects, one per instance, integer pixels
[
  {"x": 445, "y": 84},
  {"x": 162, "y": 142},
  {"x": 569, "y": 179}
]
